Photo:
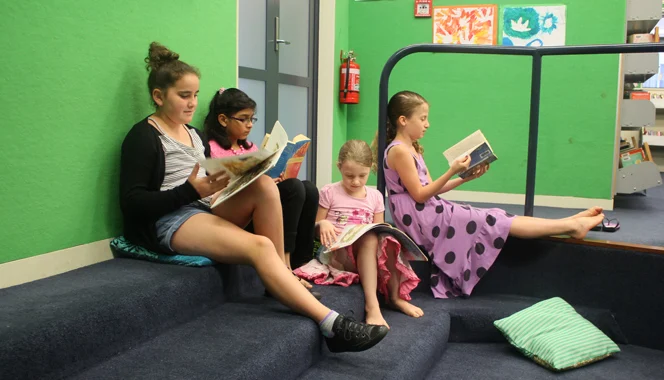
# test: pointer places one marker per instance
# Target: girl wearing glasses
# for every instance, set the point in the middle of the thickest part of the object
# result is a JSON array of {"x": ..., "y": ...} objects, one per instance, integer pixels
[{"x": 227, "y": 125}]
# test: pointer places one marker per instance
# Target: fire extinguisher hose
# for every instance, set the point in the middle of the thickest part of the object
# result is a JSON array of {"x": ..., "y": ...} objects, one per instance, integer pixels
[{"x": 347, "y": 76}]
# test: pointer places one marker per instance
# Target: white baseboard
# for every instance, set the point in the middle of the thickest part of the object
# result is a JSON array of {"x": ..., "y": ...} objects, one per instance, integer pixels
[
  {"x": 53, "y": 263},
  {"x": 520, "y": 199}
]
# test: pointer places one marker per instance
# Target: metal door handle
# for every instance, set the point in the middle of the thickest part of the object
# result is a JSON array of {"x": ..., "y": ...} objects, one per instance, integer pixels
[{"x": 276, "y": 35}]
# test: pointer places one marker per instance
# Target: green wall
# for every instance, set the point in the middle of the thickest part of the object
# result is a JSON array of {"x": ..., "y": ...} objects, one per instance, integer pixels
[
  {"x": 73, "y": 83},
  {"x": 492, "y": 93},
  {"x": 341, "y": 42}
]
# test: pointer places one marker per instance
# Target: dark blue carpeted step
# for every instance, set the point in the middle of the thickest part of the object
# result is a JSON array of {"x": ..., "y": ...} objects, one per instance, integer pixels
[
  {"x": 472, "y": 318},
  {"x": 252, "y": 337},
  {"x": 406, "y": 352},
  {"x": 501, "y": 361},
  {"x": 51, "y": 327},
  {"x": 255, "y": 340}
]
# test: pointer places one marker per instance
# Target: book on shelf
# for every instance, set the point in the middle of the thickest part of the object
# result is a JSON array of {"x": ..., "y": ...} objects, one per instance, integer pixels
[
  {"x": 246, "y": 168},
  {"x": 632, "y": 157},
  {"x": 477, "y": 147}
]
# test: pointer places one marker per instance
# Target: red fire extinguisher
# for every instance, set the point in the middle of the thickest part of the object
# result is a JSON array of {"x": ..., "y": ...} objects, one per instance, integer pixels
[{"x": 349, "y": 79}]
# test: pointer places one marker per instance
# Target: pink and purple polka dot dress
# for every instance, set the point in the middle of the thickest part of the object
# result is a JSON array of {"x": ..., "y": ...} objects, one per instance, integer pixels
[{"x": 462, "y": 241}]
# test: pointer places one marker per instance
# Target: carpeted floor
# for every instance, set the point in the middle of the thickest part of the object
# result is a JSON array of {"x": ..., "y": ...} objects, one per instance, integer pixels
[{"x": 641, "y": 217}]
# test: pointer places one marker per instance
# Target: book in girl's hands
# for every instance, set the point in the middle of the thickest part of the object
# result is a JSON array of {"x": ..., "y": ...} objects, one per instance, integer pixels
[
  {"x": 246, "y": 168},
  {"x": 353, "y": 232},
  {"x": 477, "y": 147},
  {"x": 292, "y": 157}
]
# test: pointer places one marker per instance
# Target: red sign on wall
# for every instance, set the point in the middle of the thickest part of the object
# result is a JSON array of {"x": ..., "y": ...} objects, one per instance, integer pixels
[{"x": 423, "y": 8}]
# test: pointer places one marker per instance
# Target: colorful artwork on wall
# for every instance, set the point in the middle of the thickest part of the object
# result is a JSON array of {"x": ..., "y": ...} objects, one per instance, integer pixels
[
  {"x": 534, "y": 26},
  {"x": 465, "y": 25}
]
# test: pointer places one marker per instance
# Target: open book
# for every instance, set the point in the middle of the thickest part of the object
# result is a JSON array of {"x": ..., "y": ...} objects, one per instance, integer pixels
[
  {"x": 246, "y": 168},
  {"x": 291, "y": 159},
  {"x": 477, "y": 147},
  {"x": 353, "y": 232}
]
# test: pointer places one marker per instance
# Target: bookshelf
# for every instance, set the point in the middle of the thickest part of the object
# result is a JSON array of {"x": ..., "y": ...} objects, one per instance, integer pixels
[{"x": 637, "y": 111}]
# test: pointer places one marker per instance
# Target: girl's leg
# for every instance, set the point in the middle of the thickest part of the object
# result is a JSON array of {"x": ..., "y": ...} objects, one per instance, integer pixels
[
  {"x": 593, "y": 211},
  {"x": 530, "y": 228},
  {"x": 259, "y": 203},
  {"x": 225, "y": 242},
  {"x": 291, "y": 193},
  {"x": 367, "y": 266},
  {"x": 304, "y": 243},
  {"x": 393, "y": 287}
]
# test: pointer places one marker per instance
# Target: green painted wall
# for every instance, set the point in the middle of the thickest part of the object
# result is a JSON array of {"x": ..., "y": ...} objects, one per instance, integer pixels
[
  {"x": 340, "y": 110},
  {"x": 467, "y": 92},
  {"x": 73, "y": 82}
]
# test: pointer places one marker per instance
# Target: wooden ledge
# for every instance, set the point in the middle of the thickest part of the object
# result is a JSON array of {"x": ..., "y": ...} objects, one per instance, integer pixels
[{"x": 609, "y": 244}]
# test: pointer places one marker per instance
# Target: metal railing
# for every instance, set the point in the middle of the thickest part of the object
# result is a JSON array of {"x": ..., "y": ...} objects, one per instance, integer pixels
[{"x": 536, "y": 53}]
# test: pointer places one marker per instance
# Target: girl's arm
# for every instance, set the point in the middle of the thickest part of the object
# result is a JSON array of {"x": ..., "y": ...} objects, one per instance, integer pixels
[
  {"x": 450, "y": 185},
  {"x": 325, "y": 230},
  {"x": 379, "y": 217},
  {"x": 321, "y": 214},
  {"x": 403, "y": 162},
  {"x": 459, "y": 181}
]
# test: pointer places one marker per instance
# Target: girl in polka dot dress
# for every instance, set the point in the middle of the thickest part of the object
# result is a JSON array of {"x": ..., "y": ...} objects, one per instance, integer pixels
[{"x": 463, "y": 241}]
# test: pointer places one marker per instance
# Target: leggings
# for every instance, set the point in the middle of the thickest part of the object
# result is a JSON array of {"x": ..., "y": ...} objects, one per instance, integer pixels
[{"x": 299, "y": 203}]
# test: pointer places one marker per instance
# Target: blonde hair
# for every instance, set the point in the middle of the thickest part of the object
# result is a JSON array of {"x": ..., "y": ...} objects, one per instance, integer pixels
[
  {"x": 356, "y": 150},
  {"x": 403, "y": 103}
]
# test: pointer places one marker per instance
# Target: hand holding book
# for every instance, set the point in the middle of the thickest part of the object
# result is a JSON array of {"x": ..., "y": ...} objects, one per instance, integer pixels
[
  {"x": 477, "y": 148},
  {"x": 460, "y": 164},
  {"x": 328, "y": 232},
  {"x": 210, "y": 184},
  {"x": 477, "y": 172}
]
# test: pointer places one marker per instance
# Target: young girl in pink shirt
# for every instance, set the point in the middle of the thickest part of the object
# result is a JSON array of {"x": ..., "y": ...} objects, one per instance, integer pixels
[{"x": 373, "y": 257}]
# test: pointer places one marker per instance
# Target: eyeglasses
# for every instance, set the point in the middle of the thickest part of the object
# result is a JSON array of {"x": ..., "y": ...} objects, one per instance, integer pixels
[{"x": 245, "y": 121}]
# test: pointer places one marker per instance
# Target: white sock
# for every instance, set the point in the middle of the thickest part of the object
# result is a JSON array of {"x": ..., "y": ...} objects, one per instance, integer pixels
[{"x": 327, "y": 323}]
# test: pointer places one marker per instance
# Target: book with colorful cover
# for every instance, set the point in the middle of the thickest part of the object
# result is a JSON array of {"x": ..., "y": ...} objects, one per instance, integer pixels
[
  {"x": 632, "y": 157},
  {"x": 291, "y": 159},
  {"x": 246, "y": 168},
  {"x": 351, "y": 233},
  {"x": 477, "y": 147}
]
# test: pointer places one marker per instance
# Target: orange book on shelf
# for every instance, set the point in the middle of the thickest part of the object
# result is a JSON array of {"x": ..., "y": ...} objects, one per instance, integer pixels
[{"x": 640, "y": 95}]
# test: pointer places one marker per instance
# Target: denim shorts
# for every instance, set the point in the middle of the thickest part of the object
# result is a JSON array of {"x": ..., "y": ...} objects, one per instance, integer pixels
[{"x": 169, "y": 223}]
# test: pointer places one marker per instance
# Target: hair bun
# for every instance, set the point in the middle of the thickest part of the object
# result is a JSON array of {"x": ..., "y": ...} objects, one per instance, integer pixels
[{"x": 159, "y": 55}]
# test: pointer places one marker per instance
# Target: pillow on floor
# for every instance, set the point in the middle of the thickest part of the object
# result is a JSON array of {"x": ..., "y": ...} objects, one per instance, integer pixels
[
  {"x": 123, "y": 248},
  {"x": 553, "y": 334}
]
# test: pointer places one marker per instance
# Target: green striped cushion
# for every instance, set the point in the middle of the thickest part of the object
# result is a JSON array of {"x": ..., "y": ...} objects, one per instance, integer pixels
[{"x": 553, "y": 334}]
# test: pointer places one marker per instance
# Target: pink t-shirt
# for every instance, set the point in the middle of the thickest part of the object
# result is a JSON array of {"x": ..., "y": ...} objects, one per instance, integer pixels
[
  {"x": 344, "y": 209},
  {"x": 217, "y": 151}
]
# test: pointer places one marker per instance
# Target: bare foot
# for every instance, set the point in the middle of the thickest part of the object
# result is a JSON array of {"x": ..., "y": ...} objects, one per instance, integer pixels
[
  {"x": 593, "y": 211},
  {"x": 406, "y": 307},
  {"x": 375, "y": 317},
  {"x": 584, "y": 224}
]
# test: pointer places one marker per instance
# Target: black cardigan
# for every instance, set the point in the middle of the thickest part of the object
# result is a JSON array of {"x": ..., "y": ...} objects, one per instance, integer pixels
[{"x": 142, "y": 168}]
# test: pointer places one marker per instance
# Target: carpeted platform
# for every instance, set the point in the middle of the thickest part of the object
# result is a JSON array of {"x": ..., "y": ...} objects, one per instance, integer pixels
[
  {"x": 126, "y": 319},
  {"x": 501, "y": 361}
]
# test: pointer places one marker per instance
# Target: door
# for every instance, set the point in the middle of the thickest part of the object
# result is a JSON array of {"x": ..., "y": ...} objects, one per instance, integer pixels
[{"x": 277, "y": 46}]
